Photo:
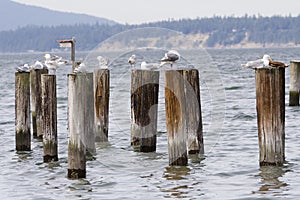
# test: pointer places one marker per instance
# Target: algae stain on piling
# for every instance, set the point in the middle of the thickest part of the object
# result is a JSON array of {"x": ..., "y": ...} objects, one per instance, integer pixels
[{"x": 174, "y": 121}]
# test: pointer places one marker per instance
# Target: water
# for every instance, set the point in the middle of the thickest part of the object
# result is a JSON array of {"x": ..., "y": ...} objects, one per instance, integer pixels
[{"x": 229, "y": 170}]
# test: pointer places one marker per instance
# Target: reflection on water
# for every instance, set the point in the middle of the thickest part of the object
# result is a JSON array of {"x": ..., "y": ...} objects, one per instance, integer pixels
[
  {"x": 196, "y": 158},
  {"x": 176, "y": 173},
  {"x": 23, "y": 155},
  {"x": 270, "y": 180}
]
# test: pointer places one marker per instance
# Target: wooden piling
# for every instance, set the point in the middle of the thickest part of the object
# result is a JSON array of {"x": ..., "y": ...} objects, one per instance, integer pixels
[
  {"x": 49, "y": 117},
  {"x": 294, "y": 83},
  {"x": 193, "y": 116},
  {"x": 144, "y": 100},
  {"x": 270, "y": 93},
  {"x": 101, "y": 99},
  {"x": 175, "y": 113},
  {"x": 22, "y": 111},
  {"x": 36, "y": 101},
  {"x": 81, "y": 123}
]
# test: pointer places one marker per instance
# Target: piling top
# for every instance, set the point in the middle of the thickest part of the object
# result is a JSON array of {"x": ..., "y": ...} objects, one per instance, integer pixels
[
  {"x": 295, "y": 61},
  {"x": 269, "y": 68}
]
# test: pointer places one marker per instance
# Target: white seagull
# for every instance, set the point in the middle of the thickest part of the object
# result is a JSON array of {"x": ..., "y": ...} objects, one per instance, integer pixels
[
  {"x": 170, "y": 57},
  {"x": 260, "y": 63},
  {"x": 103, "y": 62},
  {"x": 132, "y": 60},
  {"x": 53, "y": 62},
  {"x": 80, "y": 68},
  {"x": 38, "y": 65},
  {"x": 23, "y": 68},
  {"x": 150, "y": 66}
]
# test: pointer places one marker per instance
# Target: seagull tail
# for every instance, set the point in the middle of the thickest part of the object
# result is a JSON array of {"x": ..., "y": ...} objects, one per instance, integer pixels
[{"x": 162, "y": 64}]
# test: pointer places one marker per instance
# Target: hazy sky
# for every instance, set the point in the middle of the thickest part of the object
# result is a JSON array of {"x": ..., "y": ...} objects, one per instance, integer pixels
[{"x": 139, "y": 11}]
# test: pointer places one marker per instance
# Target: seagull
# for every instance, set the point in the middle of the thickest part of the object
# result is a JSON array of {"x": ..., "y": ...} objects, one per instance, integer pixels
[
  {"x": 53, "y": 62},
  {"x": 277, "y": 64},
  {"x": 23, "y": 68},
  {"x": 132, "y": 60},
  {"x": 150, "y": 66},
  {"x": 38, "y": 65},
  {"x": 170, "y": 57},
  {"x": 260, "y": 63},
  {"x": 80, "y": 68},
  {"x": 103, "y": 62}
]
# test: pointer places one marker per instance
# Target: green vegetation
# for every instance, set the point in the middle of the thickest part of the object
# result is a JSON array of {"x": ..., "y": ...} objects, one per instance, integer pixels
[{"x": 221, "y": 31}]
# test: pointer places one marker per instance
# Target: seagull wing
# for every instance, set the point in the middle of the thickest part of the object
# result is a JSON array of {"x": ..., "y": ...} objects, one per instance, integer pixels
[
  {"x": 150, "y": 66},
  {"x": 55, "y": 58},
  {"x": 38, "y": 65},
  {"x": 171, "y": 56},
  {"x": 254, "y": 64}
]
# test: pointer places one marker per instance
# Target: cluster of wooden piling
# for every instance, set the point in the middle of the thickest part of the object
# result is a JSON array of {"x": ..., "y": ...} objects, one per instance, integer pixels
[
  {"x": 84, "y": 117},
  {"x": 183, "y": 112},
  {"x": 88, "y": 108}
]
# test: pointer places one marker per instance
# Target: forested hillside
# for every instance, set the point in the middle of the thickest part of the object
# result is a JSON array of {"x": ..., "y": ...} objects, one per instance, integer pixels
[{"x": 220, "y": 31}]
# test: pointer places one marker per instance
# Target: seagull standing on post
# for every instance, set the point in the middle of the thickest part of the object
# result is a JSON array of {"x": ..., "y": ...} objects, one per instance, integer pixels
[
  {"x": 103, "y": 62},
  {"x": 80, "y": 68},
  {"x": 132, "y": 60},
  {"x": 260, "y": 63},
  {"x": 23, "y": 68},
  {"x": 170, "y": 57},
  {"x": 53, "y": 62},
  {"x": 38, "y": 65}
]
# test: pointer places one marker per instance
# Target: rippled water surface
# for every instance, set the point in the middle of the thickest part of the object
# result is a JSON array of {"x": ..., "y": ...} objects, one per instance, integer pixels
[{"x": 229, "y": 168}]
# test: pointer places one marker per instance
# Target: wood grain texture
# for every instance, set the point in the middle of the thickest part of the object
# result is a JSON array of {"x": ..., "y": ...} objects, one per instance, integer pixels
[
  {"x": 144, "y": 100},
  {"x": 36, "y": 101},
  {"x": 22, "y": 111},
  {"x": 81, "y": 136},
  {"x": 270, "y": 91},
  {"x": 101, "y": 99},
  {"x": 49, "y": 117},
  {"x": 175, "y": 113},
  {"x": 294, "y": 83},
  {"x": 193, "y": 116}
]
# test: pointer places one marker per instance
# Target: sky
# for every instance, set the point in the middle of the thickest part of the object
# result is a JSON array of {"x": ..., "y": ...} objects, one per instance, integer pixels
[{"x": 141, "y": 11}]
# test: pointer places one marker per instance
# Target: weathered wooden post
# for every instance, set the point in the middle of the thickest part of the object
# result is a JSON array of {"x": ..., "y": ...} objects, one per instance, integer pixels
[
  {"x": 49, "y": 117},
  {"x": 81, "y": 122},
  {"x": 36, "y": 101},
  {"x": 270, "y": 91},
  {"x": 193, "y": 114},
  {"x": 294, "y": 82},
  {"x": 144, "y": 100},
  {"x": 22, "y": 111},
  {"x": 175, "y": 117},
  {"x": 101, "y": 99}
]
